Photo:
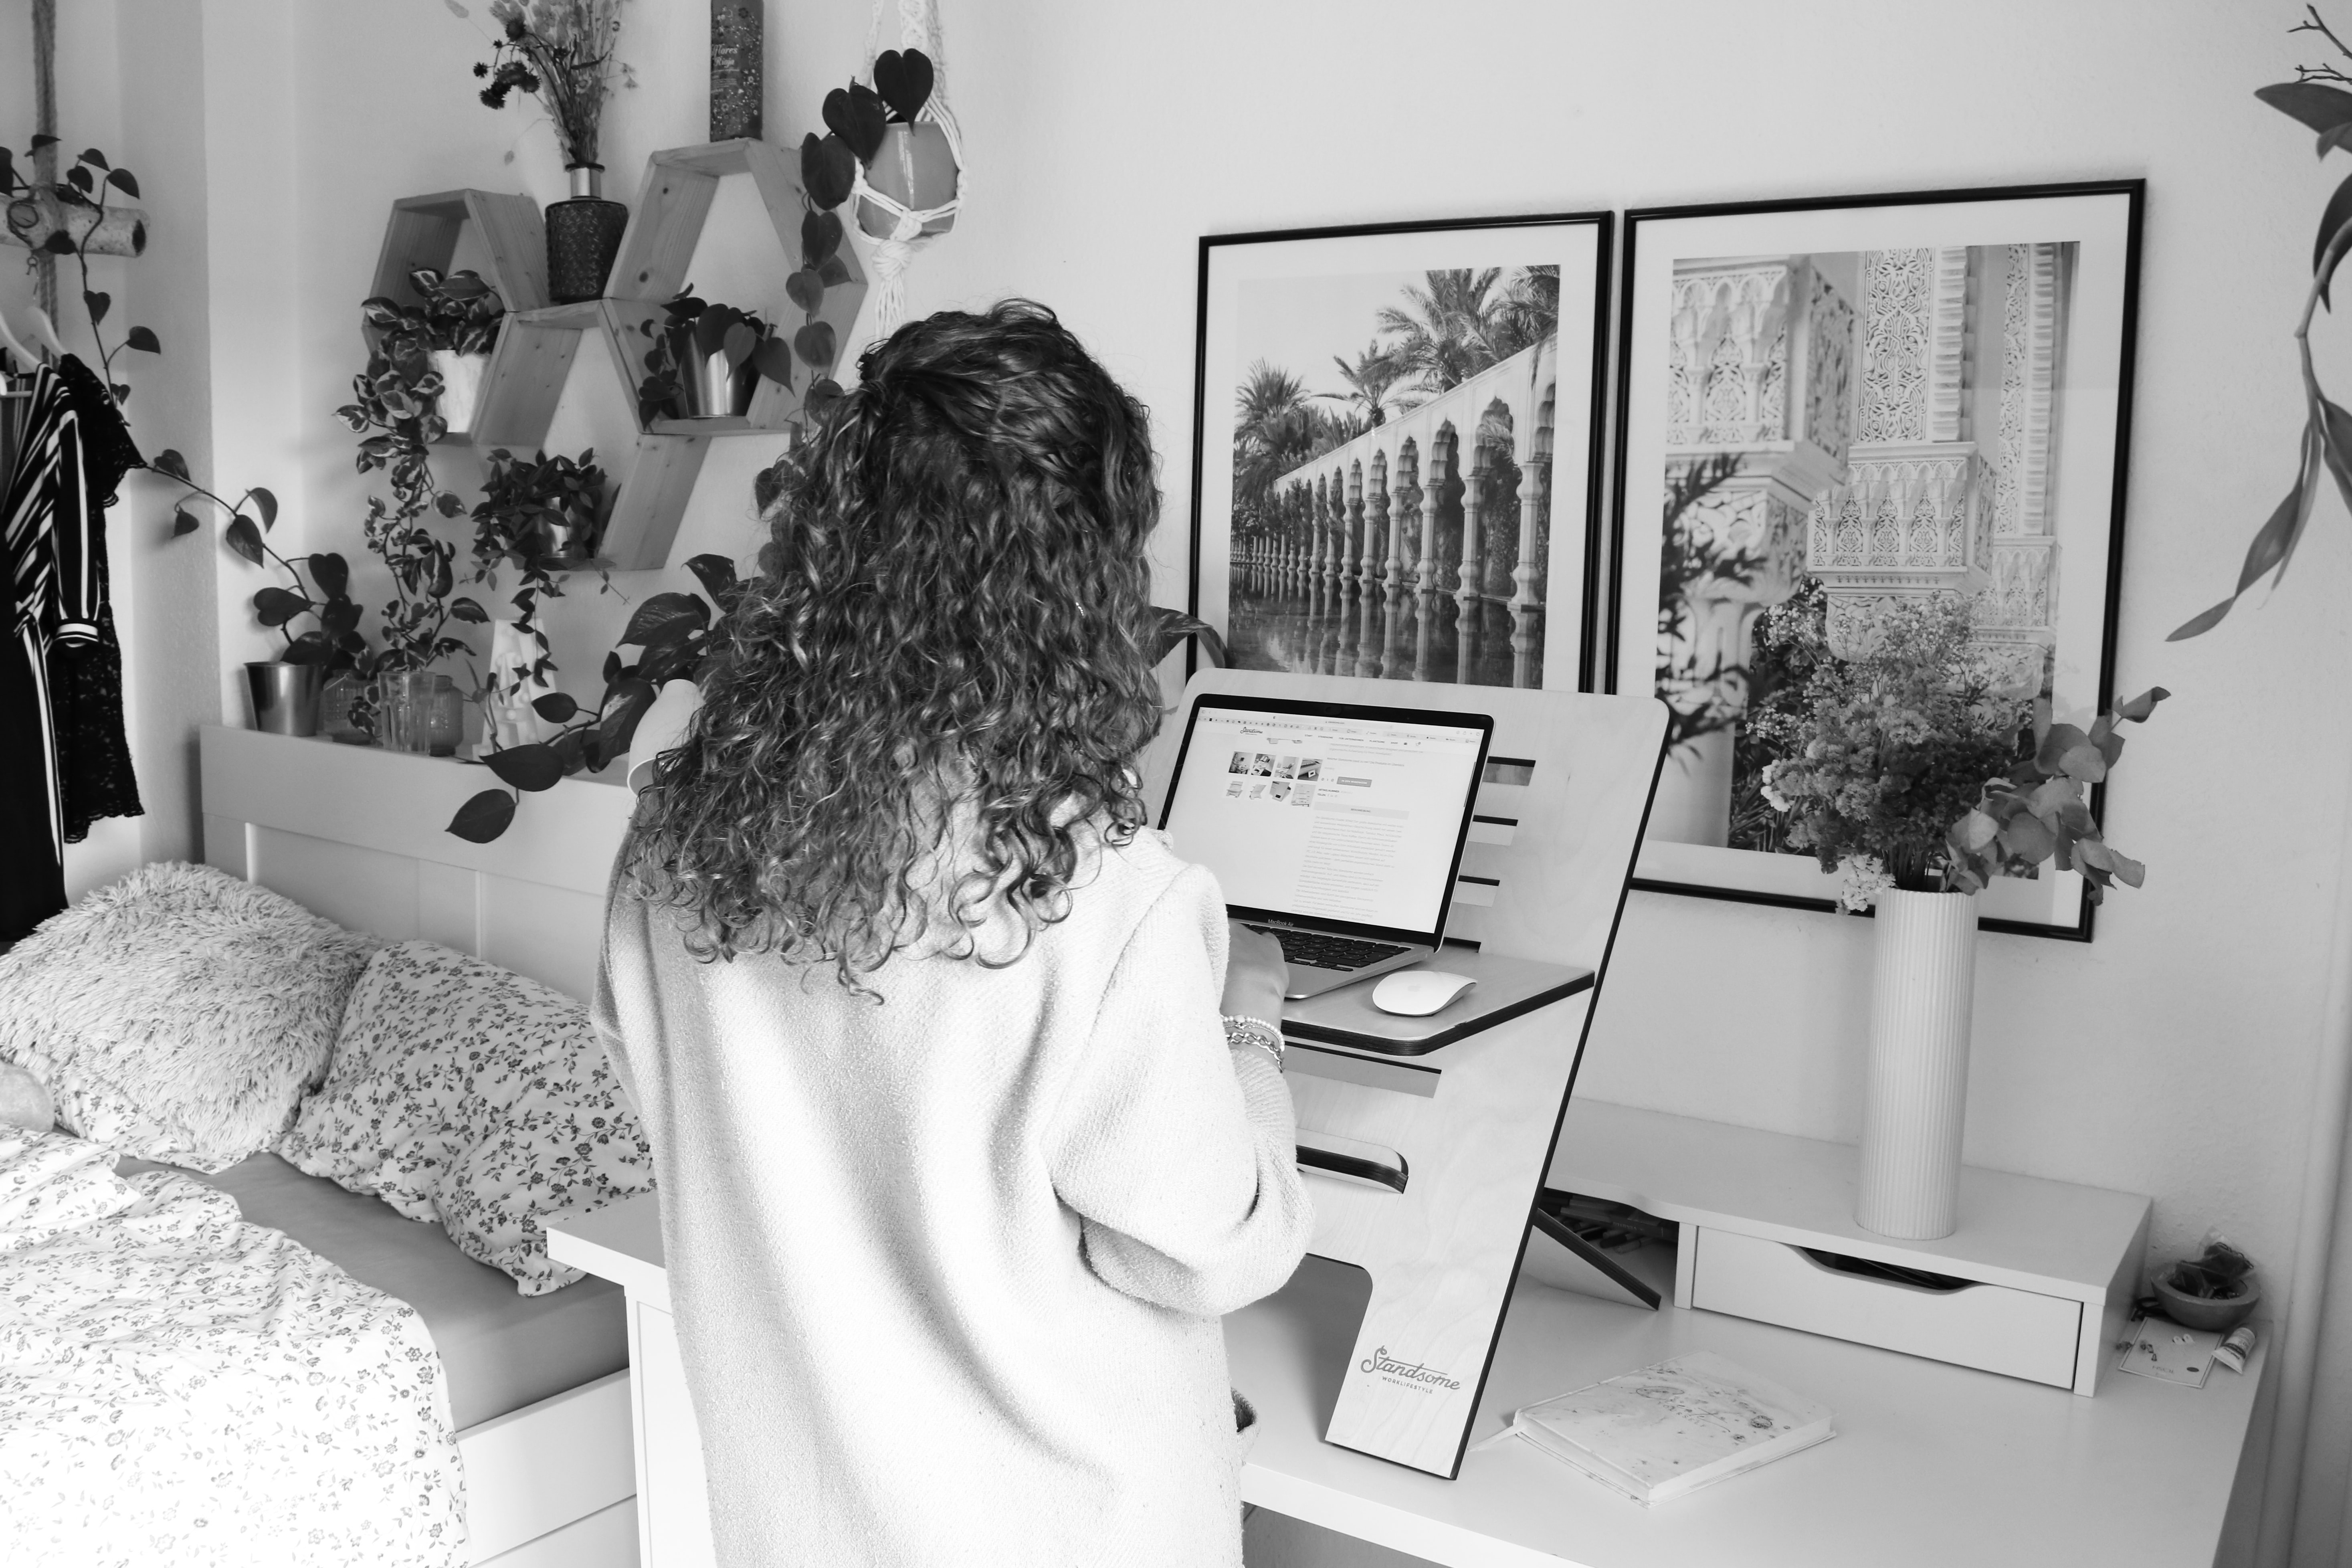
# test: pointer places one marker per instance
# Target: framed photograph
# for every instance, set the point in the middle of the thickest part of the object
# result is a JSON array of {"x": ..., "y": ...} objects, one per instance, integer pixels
[
  {"x": 1394, "y": 442},
  {"x": 1840, "y": 422}
]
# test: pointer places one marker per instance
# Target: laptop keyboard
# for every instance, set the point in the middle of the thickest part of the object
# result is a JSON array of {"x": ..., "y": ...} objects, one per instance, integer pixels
[{"x": 1318, "y": 952}]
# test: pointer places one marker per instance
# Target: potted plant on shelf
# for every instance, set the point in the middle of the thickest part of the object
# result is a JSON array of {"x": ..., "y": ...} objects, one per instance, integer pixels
[
  {"x": 561, "y": 52},
  {"x": 286, "y": 691},
  {"x": 1910, "y": 775},
  {"x": 705, "y": 360},
  {"x": 542, "y": 516},
  {"x": 451, "y": 334}
]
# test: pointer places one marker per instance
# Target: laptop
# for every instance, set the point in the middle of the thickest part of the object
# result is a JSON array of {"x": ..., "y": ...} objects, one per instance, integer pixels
[{"x": 1335, "y": 827}]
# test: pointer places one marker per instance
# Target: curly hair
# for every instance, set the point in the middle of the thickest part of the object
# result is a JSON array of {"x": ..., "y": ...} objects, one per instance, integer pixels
[{"x": 947, "y": 642}]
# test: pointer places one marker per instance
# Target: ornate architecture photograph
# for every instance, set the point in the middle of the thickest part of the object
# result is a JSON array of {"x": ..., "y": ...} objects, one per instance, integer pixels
[{"x": 1865, "y": 461}]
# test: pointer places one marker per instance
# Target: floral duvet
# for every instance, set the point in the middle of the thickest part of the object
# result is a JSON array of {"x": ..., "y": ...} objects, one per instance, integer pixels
[{"x": 178, "y": 1386}]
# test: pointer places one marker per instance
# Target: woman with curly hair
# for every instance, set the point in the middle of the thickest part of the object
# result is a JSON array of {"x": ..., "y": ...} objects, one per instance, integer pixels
[{"x": 959, "y": 1161}]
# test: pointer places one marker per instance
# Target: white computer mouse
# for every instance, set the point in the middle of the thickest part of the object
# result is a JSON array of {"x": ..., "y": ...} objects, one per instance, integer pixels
[{"x": 1418, "y": 993}]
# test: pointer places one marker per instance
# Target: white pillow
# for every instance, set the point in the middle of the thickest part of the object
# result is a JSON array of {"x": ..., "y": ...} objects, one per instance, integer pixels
[
  {"x": 464, "y": 1093},
  {"x": 180, "y": 1014}
]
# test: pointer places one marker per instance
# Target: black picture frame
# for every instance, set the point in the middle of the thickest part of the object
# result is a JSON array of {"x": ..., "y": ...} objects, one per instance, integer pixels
[
  {"x": 1582, "y": 243},
  {"x": 2094, "y": 225}
]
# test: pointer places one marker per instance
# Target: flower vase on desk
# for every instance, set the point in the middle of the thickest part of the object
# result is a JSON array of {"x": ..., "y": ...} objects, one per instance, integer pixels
[{"x": 1916, "y": 1100}]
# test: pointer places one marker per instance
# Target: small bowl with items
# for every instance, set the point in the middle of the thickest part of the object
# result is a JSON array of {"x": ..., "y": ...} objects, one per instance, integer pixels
[{"x": 2214, "y": 1293}]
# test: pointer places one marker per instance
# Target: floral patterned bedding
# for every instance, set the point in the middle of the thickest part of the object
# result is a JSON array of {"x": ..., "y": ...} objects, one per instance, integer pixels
[{"x": 179, "y": 1387}]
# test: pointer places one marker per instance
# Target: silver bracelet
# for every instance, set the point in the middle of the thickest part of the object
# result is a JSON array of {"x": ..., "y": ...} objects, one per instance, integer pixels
[{"x": 1245, "y": 1031}]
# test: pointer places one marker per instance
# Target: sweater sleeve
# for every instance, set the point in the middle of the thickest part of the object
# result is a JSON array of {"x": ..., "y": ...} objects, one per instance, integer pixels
[{"x": 1179, "y": 1155}]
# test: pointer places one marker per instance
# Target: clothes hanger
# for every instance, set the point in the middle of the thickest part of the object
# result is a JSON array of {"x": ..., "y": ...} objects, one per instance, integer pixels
[
  {"x": 8, "y": 340},
  {"x": 46, "y": 331}
]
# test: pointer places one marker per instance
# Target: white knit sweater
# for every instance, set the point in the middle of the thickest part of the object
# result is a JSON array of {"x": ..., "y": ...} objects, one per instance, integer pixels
[{"x": 948, "y": 1270}]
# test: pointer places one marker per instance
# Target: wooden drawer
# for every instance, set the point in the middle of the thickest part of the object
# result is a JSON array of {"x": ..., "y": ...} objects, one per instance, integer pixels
[{"x": 1991, "y": 1327}]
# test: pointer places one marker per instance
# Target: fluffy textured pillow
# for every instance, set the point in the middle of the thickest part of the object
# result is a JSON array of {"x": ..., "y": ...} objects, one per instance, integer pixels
[
  {"x": 464, "y": 1093},
  {"x": 180, "y": 1014}
]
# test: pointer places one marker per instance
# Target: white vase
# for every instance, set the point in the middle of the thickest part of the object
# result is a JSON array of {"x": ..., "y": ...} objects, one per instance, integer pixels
[
  {"x": 508, "y": 717},
  {"x": 1916, "y": 1100}
]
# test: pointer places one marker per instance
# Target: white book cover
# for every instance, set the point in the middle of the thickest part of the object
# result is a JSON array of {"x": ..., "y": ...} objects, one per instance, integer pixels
[{"x": 1666, "y": 1430}]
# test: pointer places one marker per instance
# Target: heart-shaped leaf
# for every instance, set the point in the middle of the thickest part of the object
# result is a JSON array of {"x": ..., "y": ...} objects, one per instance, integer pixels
[
  {"x": 822, "y": 394},
  {"x": 857, "y": 116},
  {"x": 665, "y": 618},
  {"x": 612, "y": 669},
  {"x": 815, "y": 343},
  {"x": 121, "y": 180},
  {"x": 773, "y": 360},
  {"x": 311, "y": 647},
  {"x": 169, "y": 461},
  {"x": 820, "y": 237},
  {"x": 182, "y": 524},
  {"x": 828, "y": 169},
  {"x": 716, "y": 575},
  {"x": 484, "y": 817},
  {"x": 832, "y": 271},
  {"x": 710, "y": 328},
  {"x": 805, "y": 288},
  {"x": 265, "y": 503},
  {"x": 332, "y": 573},
  {"x": 739, "y": 342},
  {"x": 903, "y": 80},
  {"x": 142, "y": 339},
  {"x": 244, "y": 538},
  {"x": 532, "y": 767},
  {"x": 276, "y": 607},
  {"x": 339, "y": 616},
  {"x": 556, "y": 707},
  {"x": 97, "y": 304}
]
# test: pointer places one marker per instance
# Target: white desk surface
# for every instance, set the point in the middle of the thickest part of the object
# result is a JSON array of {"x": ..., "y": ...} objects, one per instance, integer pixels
[{"x": 1933, "y": 1464}]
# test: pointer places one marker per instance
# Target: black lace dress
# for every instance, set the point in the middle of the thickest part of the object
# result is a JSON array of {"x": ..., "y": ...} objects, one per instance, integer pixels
[{"x": 86, "y": 678}]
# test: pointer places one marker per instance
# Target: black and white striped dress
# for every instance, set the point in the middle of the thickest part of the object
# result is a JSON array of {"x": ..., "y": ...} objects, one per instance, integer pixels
[{"x": 55, "y": 592}]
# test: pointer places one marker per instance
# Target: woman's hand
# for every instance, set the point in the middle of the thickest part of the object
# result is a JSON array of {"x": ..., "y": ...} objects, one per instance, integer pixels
[{"x": 1256, "y": 975}]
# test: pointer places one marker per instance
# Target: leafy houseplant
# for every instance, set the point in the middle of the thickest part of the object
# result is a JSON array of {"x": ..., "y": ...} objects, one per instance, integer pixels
[
  {"x": 453, "y": 332},
  {"x": 707, "y": 360},
  {"x": 541, "y": 516},
  {"x": 77, "y": 217},
  {"x": 672, "y": 634},
  {"x": 2317, "y": 98},
  {"x": 335, "y": 642}
]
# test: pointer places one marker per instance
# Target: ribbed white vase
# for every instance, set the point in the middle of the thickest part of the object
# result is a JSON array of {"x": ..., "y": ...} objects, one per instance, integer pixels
[{"x": 1917, "y": 1098}]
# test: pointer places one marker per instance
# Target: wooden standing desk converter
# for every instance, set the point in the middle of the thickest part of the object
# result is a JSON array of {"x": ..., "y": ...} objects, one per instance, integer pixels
[{"x": 1933, "y": 1464}]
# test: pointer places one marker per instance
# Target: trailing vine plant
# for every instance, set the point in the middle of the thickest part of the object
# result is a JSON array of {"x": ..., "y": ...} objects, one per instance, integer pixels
[
  {"x": 526, "y": 504},
  {"x": 336, "y": 641},
  {"x": 67, "y": 219},
  {"x": 672, "y": 634},
  {"x": 396, "y": 412}
]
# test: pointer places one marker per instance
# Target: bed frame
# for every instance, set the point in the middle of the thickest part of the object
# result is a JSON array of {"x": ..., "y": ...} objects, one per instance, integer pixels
[{"x": 358, "y": 836}]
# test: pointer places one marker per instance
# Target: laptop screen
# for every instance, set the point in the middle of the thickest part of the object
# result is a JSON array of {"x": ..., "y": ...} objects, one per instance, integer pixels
[{"x": 1346, "y": 817}]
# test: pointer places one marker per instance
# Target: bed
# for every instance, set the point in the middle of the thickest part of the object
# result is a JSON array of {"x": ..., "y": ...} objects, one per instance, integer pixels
[{"x": 537, "y": 1385}]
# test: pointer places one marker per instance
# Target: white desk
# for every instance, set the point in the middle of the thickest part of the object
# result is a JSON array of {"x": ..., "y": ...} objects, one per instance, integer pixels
[{"x": 1933, "y": 1464}]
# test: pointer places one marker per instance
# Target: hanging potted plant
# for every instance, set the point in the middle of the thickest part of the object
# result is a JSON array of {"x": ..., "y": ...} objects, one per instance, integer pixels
[
  {"x": 1917, "y": 782},
  {"x": 561, "y": 52},
  {"x": 908, "y": 164},
  {"x": 705, "y": 360}
]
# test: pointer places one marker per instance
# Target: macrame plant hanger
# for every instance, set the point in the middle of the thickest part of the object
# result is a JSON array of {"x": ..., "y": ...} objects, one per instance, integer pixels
[{"x": 918, "y": 27}]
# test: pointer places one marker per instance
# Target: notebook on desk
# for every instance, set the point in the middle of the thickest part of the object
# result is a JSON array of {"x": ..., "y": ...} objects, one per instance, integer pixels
[{"x": 1335, "y": 827}]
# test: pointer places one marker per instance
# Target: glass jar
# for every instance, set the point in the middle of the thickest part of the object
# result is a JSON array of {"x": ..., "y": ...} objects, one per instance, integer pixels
[
  {"x": 444, "y": 721},
  {"x": 405, "y": 717},
  {"x": 342, "y": 707}
]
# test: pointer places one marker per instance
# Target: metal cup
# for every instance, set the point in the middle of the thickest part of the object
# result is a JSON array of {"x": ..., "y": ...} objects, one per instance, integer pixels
[{"x": 285, "y": 696}]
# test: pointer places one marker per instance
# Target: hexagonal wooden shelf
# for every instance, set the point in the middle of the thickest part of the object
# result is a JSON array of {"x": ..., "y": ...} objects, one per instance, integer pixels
[
  {"x": 656, "y": 251},
  {"x": 525, "y": 365}
]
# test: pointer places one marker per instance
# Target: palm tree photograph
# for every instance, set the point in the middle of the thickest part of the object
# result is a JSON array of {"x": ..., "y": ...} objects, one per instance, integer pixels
[
  {"x": 1393, "y": 448},
  {"x": 1391, "y": 493}
]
